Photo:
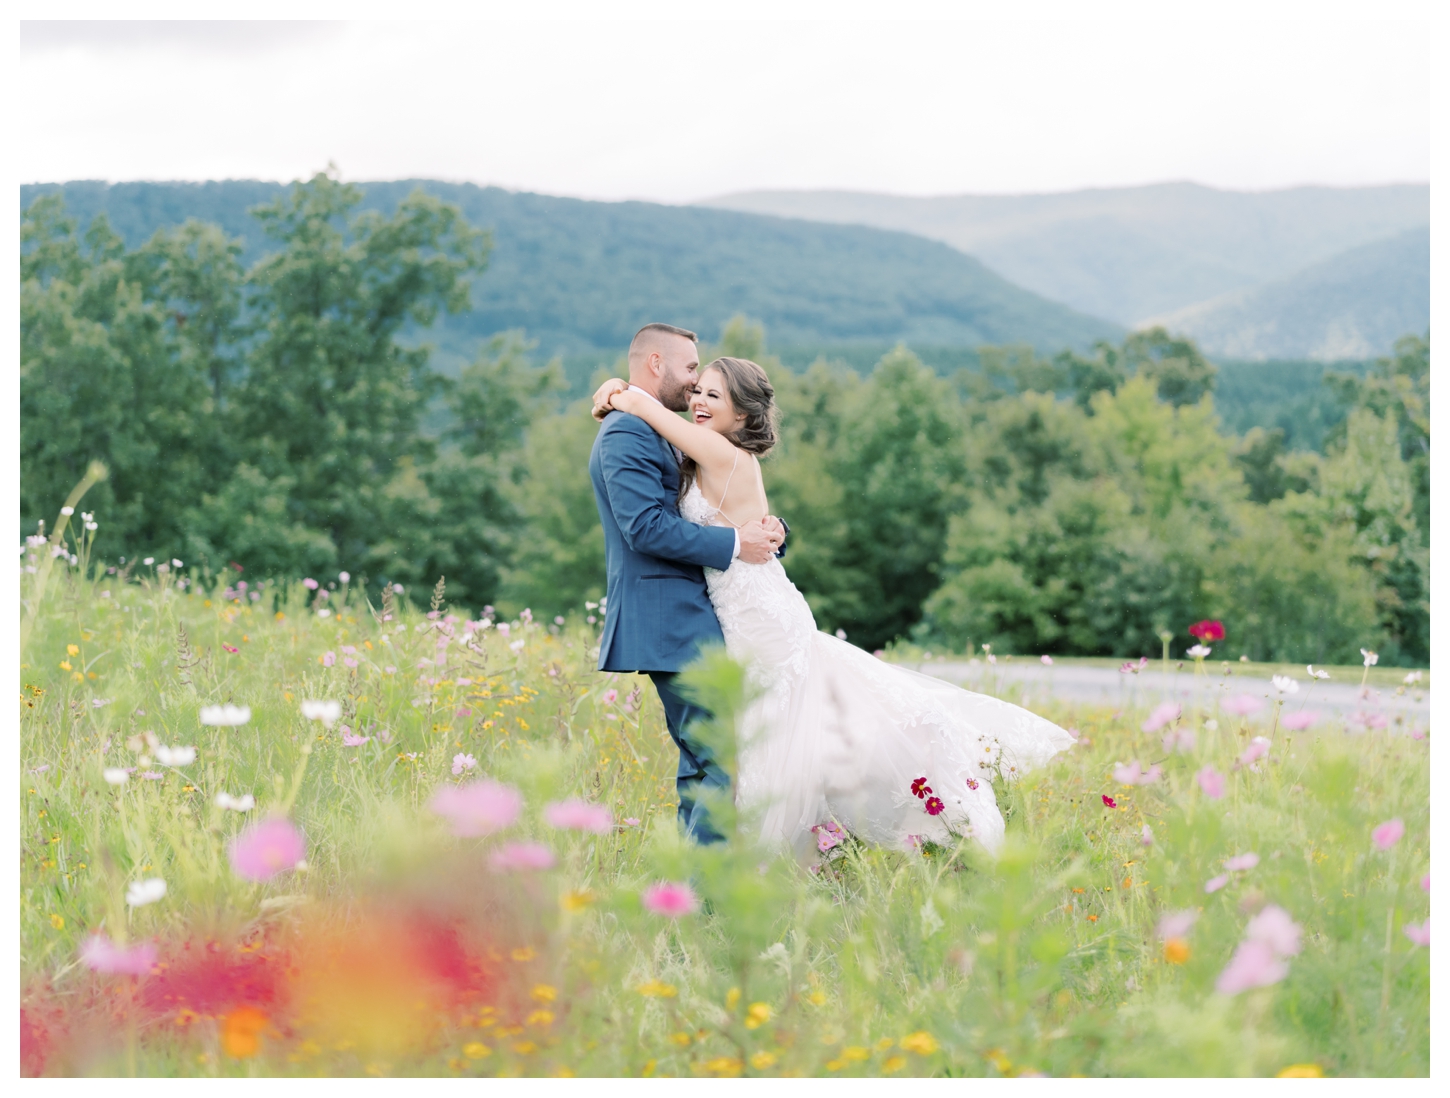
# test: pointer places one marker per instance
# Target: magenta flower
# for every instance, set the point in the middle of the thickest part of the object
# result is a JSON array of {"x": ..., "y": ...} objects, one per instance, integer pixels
[
  {"x": 1253, "y": 965},
  {"x": 1241, "y": 705},
  {"x": 1257, "y": 749},
  {"x": 265, "y": 849},
  {"x": 1241, "y": 862},
  {"x": 517, "y": 856},
  {"x": 1420, "y": 934},
  {"x": 1213, "y": 884},
  {"x": 669, "y": 899},
  {"x": 1164, "y": 714},
  {"x": 1299, "y": 720},
  {"x": 1276, "y": 929},
  {"x": 100, "y": 954},
  {"x": 580, "y": 816},
  {"x": 328, "y": 659},
  {"x": 479, "y": 808},
  {"x": 934, "y": 806},
  {"x": 1211, "y": 782},
  {"x": 826, "y": 840},
  {"x": 1388, "y": 833},
  {"x": 351, "y": 740}
]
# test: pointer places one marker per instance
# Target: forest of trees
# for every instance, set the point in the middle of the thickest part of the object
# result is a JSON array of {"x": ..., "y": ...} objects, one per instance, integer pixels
[{"x": 283, "y": 419}]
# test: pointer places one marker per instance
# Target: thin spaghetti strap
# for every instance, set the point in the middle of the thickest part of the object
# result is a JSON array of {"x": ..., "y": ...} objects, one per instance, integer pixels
[
  {"x": 759, "y": 481},
  {"x": 726, "y": 490}
]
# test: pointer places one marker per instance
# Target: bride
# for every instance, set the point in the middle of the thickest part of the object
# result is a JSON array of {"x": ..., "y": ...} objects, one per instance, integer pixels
[{"x": 893, "y": 756}]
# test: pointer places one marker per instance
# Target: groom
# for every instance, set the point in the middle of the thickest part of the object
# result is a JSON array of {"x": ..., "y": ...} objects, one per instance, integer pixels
[{"x": 658, "y": 613}]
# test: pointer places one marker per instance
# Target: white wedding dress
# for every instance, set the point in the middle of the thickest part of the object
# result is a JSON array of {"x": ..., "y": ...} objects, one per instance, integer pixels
[{"x": 837, "y": 734}]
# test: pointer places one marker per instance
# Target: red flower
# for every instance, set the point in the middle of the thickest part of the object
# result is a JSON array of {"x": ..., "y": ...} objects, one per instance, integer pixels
[
  {"x": 971, "y": 783},
  {"x": 920, "y": 788},
  {"x": 934, "y": 807},
  {"x": 1109, "y": 801},
  {"x": 1207, "y": 630}
]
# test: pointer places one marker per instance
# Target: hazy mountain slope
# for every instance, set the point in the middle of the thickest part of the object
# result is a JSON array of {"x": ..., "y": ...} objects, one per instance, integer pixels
[
  {"x": 1353, "y": 305},
  {"x": 1127, "y": 253},
  {"x": 580, "y": 276}
]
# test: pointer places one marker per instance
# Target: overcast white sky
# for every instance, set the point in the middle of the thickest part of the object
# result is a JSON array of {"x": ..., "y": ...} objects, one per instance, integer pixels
[{"x": 676, "y": 111}]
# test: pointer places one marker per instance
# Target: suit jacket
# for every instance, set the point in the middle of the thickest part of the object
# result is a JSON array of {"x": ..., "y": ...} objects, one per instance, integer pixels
[{"x": 658, "y": 612}]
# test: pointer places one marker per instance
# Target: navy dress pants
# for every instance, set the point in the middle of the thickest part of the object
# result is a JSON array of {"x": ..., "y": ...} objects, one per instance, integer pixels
[{"x": 698, "y": 770}]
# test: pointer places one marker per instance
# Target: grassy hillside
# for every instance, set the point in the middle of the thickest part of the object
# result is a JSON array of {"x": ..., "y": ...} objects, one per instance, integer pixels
[
  {"x": 1355, "y": 304},
  {"x": 1133, "y": 252},
  {"x": 581, "y": 276}
]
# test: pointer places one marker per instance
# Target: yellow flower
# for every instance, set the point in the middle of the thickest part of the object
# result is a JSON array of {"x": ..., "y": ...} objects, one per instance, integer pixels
[
  {"x": 72, "y": 650},
  {"x": 657, "y": 989},
  {"x": 921, "y": 1042},
  {"x": 563, "y": 1073},
  {"x": 757, "y": 1015},
  {"x": 726, "y": 1066},
  {"x": 856, "y": 1053},
  {"x": 893, "y": 1063},
  {"x": 732, "y": 998},
  {"x": 1301, "y": 1071},
  {"x": 835, "y": 1065},
  {"x": 682, "y": 1039},
  {"x": 817, "y": 997},
  {"x": 762, "y": 1060},
  {"x": 648, "y": 1069},
  {"x": 541, "y": 1018},
  {"x": 885, "y": 1043},
  {"x": 65, "y": 665},
  {"x": 77, "y": 676},
  {"x": 523, "y": 1048},
  {"x": 523, "y": 953},
  {"x": 576, "y": 900},
  {"x": 476, "y": 1051},
  {"x": 544, "y": 993},
  {"x": 57, "y": 922},
  {"x": 998, "y": 1060}
]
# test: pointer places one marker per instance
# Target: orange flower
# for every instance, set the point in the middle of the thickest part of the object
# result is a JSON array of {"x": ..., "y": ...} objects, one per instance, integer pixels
[
  {"x": 1175, "y": 951},
  {"x": 242, "y": 1032}
]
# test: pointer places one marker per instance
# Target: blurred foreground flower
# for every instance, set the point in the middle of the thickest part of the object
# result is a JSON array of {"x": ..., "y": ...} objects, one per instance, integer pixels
[
  {"x": 1388, "y": 833},
  {"x": 1285, "y": 685},
  {"x": 1300, "y": 720},
  {"x": 325, "y": 711},
  {"x": 1180, "y": 739},
  {"x": 1147, "y": 835},
  {"x": 1257, "y": 749},
  {"x": 1241, "y": 705},
  {"x": 1270, "y": 937},
  {"x": 175, "y": 756},
  {"x": 479, "y": 808},
  {"x": 1301, "y": 1071},
  {"x": 350, "y": 739},
  {"x": 1370, "y": 658},
  {"x": 516, "y": 856},
  {"x": 244, "y": 803},
  {"x": 1164, "y": 714},
  {"x": 1134, "y": 774},
  {"x": 1200, "y": 652},
  {"x": 922, "y": 1043},
  {"x": 1213, "y": 884},
  {"x": 242, "y": 1032},
  {"x": 1108, "y": 802},
  {"x": 1207, "y": 630},
  {"x": 265, "y": 849},
  {"x": 141, "y": 893},
  {"x": 225, "y": 715},
  {"x": 670, "y": 899},
  {"x": 1240, "y": 862},
  {"x": 576, "y": 815},
  {"x": 1211, "y": 782},
  {"x": 115, "y": 775},
  {"x": 1419, "y": 934},
  {"x": 1313, "y": 674},
  {"x": 100, "y": 954}
]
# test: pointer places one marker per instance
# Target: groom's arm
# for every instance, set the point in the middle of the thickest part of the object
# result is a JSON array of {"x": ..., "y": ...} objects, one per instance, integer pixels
[{"x": 633, "y": 472}]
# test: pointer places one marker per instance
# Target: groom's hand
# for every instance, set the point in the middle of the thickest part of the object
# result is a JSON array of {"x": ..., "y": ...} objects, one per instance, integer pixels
[{"x": 760, "y": 539}]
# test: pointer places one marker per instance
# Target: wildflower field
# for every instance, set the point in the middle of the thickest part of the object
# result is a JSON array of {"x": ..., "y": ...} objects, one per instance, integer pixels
[{"x": 279, "y": 829}]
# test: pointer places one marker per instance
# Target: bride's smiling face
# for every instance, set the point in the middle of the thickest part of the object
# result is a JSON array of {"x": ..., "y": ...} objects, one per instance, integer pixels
[{"x": 710, "y": 405}]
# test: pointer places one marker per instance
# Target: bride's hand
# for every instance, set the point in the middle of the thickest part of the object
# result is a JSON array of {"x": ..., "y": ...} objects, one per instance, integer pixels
[{"x": 602, "y": 396}]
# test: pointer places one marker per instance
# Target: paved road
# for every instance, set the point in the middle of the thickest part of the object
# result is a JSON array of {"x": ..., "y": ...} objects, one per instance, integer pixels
[{"x": 1105, "y": 686}]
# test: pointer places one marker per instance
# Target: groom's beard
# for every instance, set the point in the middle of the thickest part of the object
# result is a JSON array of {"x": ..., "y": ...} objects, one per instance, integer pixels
[{"x": 675, "y": 393}]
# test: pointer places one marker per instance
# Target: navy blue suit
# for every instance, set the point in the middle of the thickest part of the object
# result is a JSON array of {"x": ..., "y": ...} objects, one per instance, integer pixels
[{"x": 658, "y": 612}]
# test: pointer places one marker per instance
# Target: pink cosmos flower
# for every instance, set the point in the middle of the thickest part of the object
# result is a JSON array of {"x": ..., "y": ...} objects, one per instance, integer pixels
[
  {"x": 826, "y": 840},
  {"x": 479, "y": 808},
  {"x": 462, "y": 762},
  {"x": 1241, "y": 862},
  {"x": 1047, "y": 661},
  {"x": 349, "y": 650},
  {"x": 266, "y": 849},
  {"x": 1299, "y": 720},
  {"x": 348, "y": 661},
  {"x": 669, "y": 899},
  {"x": 1425, "y": 883},
  {"x": 310, "y": 584},
  {"x": 1241, "y": 705},
  {"x": 1420, "y": 934},
  {"x": 1257, "y": 749},
  {"x": 1252, "y": 965},
  {"x": 351, "y": 740},
  {"x": 1147, "y": 835},
  {"x": 1164, "y": 714},
  {"x": 1181, "y": 740},
  {"x": 100, "y": 954},
  {"x": 152, "y": 775},
  {"x": 1417, "y": 734},
  {"x": 1211, "y": 782},
  {"x": 517, "y": 856},
  {"x": 1276, "y": 929},
  {"x": 631, "y": 821},
  {"x": 230, "y": 649},
  {"x": 580, "y": 816},
  {"x": 608, "y": 697},
  {"x": 1213, "y": 884},
  {"x": 1134, "y": 774},
  {"x": 328, "y": 659},
  {"x": 1176, "y": 924},
  {"x": 1388, "y": 833}
]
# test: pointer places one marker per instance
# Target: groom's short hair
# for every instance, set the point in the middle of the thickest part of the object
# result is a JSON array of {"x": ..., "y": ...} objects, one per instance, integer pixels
[{"x": 646, "y": 335}]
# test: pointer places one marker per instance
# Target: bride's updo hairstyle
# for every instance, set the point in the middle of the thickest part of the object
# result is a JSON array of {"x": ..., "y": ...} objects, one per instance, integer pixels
[{"x": 752, "y": 394}]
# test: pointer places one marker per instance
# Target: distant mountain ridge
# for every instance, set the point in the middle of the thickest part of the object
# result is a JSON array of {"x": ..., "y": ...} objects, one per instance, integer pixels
[
  {"x": 1130, "y": 253},
  {"x": 1354, "y": 305},
  {"x": 581, "y": 276}
]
